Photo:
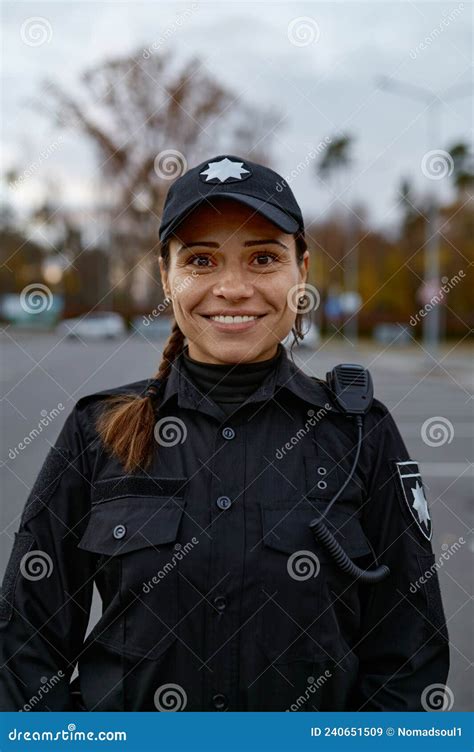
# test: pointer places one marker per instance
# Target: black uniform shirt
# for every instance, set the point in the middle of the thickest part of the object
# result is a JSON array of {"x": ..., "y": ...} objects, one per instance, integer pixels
[{"x": 215, "y": 594}]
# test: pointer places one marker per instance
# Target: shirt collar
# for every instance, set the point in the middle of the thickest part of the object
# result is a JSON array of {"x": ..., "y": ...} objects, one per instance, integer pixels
[{"x": 285, "y": 375}]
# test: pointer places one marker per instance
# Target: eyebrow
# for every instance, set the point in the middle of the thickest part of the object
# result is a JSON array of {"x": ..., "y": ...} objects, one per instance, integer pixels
[{"x": 247, "y": 244}]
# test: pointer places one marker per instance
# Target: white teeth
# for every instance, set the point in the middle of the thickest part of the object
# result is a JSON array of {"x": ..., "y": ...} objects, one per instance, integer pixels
[{"x": 233, "y": 319}]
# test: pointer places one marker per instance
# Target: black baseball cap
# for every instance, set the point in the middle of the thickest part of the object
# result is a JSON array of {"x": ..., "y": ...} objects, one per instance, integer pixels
[{"x": 228, "y": 176}]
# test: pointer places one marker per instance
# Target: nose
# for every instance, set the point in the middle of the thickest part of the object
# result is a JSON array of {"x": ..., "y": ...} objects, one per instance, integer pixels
[{"x": 233, "y": 285}]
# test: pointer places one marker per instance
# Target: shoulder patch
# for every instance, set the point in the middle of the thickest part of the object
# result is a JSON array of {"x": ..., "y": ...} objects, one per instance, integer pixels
[
  {"x": 56, "y": 462},
  {"x": 412, "y": 493}
]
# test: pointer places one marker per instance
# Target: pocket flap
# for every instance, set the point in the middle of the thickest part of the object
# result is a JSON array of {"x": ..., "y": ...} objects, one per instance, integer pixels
[
  {"x": 288, "y": 530},
  {"x": 121, "y": 525},
  {"x": 137, "y": 485}
]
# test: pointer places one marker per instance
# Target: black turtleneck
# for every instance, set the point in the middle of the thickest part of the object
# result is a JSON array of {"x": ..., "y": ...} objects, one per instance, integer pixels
[{"x": 228, "y": 384}]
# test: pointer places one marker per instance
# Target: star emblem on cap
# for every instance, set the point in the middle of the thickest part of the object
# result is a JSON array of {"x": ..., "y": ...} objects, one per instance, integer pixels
[{"x": 224, "y": 169}]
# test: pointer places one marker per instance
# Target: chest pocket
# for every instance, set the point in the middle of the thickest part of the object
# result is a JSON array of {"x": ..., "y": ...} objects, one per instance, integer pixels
[
  {"x": 297, "y": 620},
  {"x": 134, "y": 536}
]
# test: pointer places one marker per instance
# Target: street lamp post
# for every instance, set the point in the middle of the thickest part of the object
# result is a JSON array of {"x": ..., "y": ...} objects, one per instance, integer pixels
[{"x": 431, "y": 322}]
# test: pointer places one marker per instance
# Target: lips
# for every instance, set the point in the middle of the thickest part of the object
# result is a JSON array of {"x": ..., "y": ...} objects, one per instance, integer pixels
[{"x": 233, "y": 313}]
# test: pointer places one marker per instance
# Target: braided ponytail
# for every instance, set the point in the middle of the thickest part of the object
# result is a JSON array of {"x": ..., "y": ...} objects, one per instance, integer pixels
[{"x": 127, "y": 423}]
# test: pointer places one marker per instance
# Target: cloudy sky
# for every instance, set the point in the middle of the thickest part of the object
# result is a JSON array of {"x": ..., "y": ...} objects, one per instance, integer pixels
[{"x": 316, "y": 63}]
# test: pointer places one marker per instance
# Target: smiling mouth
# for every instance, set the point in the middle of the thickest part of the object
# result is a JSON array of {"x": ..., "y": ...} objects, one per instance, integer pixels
[{"x": 226, "y": 319}]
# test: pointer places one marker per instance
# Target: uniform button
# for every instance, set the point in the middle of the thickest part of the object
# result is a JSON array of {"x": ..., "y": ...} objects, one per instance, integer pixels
[
  {"x": 220, "y": 602},
  {"x": 322, "y": 484},
  {"x": 223, "y": 502},
  {"x": 228, "y": 432},
  {"x": 220, "y": 701},
  {"x": 322, "y": 471},
  {"x": 119, "y": 531},
  {"x": 178, "y": 546}
]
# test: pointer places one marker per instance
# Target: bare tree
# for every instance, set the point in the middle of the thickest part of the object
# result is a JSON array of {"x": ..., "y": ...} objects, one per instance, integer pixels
[{"x": 149, "y": 117}]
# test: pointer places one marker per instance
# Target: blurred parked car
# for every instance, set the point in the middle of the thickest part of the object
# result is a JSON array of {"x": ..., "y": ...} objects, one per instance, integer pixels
[
  {"x": 391, "y": 334},
  {"x": 156, "y": 328},
  {"x": 93, "y": 326}
]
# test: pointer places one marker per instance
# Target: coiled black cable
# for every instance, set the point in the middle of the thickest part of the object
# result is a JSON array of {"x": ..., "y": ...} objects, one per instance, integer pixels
[
  {"x": 326, "y": 539},
  {"x": 332, "y": 546}
]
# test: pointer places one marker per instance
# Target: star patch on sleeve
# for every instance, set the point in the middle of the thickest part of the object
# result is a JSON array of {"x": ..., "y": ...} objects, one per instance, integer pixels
[{"x": 413, "y": 493}]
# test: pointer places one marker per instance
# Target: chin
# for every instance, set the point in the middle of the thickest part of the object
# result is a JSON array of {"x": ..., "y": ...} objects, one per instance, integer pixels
[{"x": 239, "y": 352}]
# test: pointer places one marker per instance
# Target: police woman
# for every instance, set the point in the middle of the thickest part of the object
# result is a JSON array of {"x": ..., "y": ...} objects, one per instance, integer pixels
[{"x": 258, "y": 537}]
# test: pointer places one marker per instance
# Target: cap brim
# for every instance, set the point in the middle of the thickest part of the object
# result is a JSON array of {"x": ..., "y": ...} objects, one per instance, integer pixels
[{"x": 280, "y": 218}]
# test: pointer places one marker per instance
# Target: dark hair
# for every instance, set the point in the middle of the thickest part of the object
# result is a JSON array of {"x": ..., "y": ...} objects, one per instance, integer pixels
[{"x": 126, "y": 424}]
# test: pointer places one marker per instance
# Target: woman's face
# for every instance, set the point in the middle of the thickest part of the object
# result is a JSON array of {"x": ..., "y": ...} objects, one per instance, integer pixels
[{"x": 227, "y": 260}]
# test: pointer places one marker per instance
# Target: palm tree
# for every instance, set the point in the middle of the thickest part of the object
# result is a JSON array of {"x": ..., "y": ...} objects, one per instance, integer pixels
[
  {"x": 463, "y": 167},
  {"x": 336, "y": 158}
]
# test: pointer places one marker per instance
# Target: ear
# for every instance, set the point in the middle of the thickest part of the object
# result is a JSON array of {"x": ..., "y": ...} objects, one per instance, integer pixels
[
  {"x": 164, "y": 277},
  {"x": 304, "y": 268}
]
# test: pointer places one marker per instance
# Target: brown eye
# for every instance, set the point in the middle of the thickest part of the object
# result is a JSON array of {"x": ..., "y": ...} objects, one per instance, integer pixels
[
  {"x": 267, "y": 256},
  {"x": 192, "y": 259}
]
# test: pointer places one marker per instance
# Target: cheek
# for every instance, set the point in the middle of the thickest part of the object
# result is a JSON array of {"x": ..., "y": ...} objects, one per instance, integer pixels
[
  {"x": 183, "y": 286},
  {"x": 277, "y": 289},
  {"x": 187, "y": 293},
  {"x": 182, "y": 302}
]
